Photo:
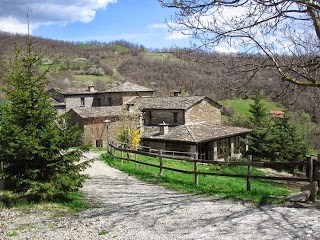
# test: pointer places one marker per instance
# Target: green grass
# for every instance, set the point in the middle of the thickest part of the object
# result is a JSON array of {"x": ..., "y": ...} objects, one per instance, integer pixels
[
  {"x": 160, "y": 56},
  {"x": 243, "y": 105},
  {"x": 120, "y": 49},
  {"x": 86, "y": 45},
  {"x": 226, "y": 187},
  {"x": 84, "y": 78},
  {"x": 74, "y": 201}
]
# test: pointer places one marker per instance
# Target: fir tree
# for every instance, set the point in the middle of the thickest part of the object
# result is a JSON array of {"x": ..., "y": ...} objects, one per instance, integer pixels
[
  {"x": 259, "y": 113},
  {"x": 35, "y": 142},
  {"x": 277, "y": 139}
]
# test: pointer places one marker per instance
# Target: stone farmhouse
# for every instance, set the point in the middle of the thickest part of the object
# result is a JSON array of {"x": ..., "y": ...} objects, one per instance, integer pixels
[
  {"x": 88, "y": 108},
  {"x": 186, "y": 124},
  {"x": 66, "y": 99}
]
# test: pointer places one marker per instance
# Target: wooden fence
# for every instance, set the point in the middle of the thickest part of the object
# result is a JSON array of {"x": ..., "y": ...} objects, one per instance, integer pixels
[{"x": 312, "y": 164}]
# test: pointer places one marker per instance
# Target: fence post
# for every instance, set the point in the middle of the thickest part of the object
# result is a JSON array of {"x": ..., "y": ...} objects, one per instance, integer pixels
[
  {"x": 161, "y": 163},
  {"x": 249, "y": 173},
  {"x": 122, "y": 147},
  {"x": 310, "y": 169},
  {"x": 196, "y": 177},
  {"x": 109, "y": 151},
  {"x": 135, "y": 158},
  {"x": 317, "y": 171}
]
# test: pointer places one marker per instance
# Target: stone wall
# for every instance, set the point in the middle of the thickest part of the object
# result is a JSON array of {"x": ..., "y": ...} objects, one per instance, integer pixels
[
  {"x": 60, "y": 109},
  {"x": 75, "y": 101},
  {"x": 94, "y": 130},
  {"x": 154, "y": 144},
  {"x": 203, "y": 111}
]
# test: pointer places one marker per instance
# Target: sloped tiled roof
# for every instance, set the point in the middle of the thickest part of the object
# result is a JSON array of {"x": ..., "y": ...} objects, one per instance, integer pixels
[
  {"x": 128, "y": 87},
  {"x": 92, "y": 112},
  {"x": 168, "y": 102},
  {"x": 57, "y": 103},
  {"x": 74, "y": 91},
  {"x": 195, "y": 133}
]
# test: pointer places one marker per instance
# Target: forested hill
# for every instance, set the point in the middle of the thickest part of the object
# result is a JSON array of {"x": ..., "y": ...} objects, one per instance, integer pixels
[{"x": 216, "y": 75}]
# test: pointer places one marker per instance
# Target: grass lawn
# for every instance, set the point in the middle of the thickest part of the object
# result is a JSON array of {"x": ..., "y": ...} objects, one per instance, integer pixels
[
  {"x": 243, "y": 105},
  {"x": 160, "y": 56},
  {"x": 228, "y": 187},
  {"x": 84, "y": 78}
]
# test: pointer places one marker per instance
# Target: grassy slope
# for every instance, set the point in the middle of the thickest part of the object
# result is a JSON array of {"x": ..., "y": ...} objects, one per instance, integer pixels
[
  {"x": 84, "y": 78},
  {"x": 243, "y": 105},
  {"x": 160, "y": 56}
]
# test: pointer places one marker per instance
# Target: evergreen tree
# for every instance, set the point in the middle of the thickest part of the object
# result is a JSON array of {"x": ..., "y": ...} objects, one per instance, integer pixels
[
  {"x": 277, "y": 139},
  {"x": 290, "y": 142},
  {"x": 35, "y": 142},
  {"x": 259, "y": 113}
]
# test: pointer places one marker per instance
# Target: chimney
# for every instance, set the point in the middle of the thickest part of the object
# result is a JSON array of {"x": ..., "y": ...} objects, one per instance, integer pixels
[
  {"x": 164, "y": 128},
  {"x": 91, "y": 88}
]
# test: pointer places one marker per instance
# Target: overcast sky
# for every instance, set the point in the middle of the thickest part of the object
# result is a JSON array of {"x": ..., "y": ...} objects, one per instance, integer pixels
[{"x": 136, "y": 21}]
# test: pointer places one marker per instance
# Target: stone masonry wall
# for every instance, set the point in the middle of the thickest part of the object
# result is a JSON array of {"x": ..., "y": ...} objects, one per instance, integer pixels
[
  {"x": 203, "y": 111},
  {"x": 75, "y": 101}
]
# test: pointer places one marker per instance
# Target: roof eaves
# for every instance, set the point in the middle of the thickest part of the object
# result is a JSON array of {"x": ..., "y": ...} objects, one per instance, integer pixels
[{"x": 225, "y": 136}]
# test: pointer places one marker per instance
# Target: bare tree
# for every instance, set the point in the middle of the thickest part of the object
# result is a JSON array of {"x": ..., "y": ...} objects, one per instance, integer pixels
[{"x": 281, "y": 35}]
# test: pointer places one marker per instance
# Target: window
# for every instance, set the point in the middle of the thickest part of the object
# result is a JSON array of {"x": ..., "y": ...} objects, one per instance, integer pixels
[
  {"x": 175, "y": 117},
  {"x": 99, "y": 102},
  {"x": 149, "y": 118},
  {"x": 82, "y": 102},
  {"x": 108, "y": 101}
]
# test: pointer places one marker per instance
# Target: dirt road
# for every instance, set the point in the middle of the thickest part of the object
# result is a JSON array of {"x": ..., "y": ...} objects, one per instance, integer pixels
[{"x": 131, "y": 209}]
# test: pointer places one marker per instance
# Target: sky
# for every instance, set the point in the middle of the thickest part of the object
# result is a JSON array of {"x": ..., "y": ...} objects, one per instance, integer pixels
[{"x": 135, "y": 21}]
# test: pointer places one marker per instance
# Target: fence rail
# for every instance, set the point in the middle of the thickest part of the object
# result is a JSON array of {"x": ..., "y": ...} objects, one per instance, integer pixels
[{"x": 312, "y": 165}]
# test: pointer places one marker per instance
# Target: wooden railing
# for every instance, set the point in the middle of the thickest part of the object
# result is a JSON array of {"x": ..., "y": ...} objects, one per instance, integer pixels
[{"x": 312, "y": 164}]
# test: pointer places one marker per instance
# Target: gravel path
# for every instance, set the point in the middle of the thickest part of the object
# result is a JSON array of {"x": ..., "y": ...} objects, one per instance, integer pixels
[{"x": 130, "y": 209}]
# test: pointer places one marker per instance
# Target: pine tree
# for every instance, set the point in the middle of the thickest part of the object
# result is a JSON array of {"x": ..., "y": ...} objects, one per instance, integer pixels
[
  {"x": 35, "y": 142},
  {"x": 277, "y": 140},
  {"x": 259, "y": 113}
]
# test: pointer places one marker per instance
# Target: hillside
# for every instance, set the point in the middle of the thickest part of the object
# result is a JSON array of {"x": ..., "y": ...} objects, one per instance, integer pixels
[{"x": 195, "y": 73}]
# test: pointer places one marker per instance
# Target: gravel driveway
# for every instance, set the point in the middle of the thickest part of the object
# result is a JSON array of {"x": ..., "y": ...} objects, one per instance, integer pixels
[{"x": 130, "y": 209}]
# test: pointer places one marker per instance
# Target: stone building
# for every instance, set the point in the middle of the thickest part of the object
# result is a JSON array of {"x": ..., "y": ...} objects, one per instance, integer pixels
[
  {"x": 91, "y": 121},
  {"x": 121, "y": 94},
  {"x": 188, "y": 124},
  {"x": 177, "y": 123},
  {"x": 74, "y": 98},
  {"x": 177, "y": 110},
  {"x": 89, "y": 97}
]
